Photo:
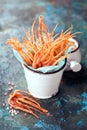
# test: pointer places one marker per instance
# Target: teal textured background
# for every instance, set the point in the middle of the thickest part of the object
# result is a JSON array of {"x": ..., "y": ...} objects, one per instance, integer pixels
[{"x": 69, "y": 106}]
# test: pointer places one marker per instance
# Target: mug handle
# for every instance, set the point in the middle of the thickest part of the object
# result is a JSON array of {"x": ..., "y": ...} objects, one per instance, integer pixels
[{"x": 75, "y": 66}]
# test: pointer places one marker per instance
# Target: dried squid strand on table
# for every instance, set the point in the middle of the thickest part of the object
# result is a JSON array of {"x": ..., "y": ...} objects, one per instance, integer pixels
[{"x": 19, "y": 100}]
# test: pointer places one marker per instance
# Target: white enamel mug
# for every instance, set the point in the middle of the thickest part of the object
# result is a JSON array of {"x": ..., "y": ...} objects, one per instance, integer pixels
[
  {"x": 74, "y": 58},
  {"x": 43, "y": 85}
]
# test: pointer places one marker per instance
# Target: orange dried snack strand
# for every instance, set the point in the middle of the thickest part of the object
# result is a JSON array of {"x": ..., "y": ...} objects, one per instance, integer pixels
[
  {"x": 60, "y": 59},
  {"x": 49, "y": 62},
  {"x": 19, "y": 101},
  {"x": 62, "y": 52},
  {"x": 42, "y": 30},
  {"x": 28, "y": 44},
  {"x": 13, "y": 102},
  {"x": 25, "y": 108},
  {"x": 32, "y": 105},
  {"x": 30, "y": 55},
  {"x": 33, "y": 31},
  {"x": 25, "y": 57},
  {"x": 36, "y": 60},
  {"x": 40, "y": 57},
  {"x": 41, "y": 47},
  {"x": 18, "y": 47},
  {"x": 46, "y": 54},
  {"x": 28, "y": 35},
  {"x": 28, "y": 51},
  {"x": 42, "y": 25},
  {"x": 20, "y": 93},
  {"x": 15, "y": 44}
]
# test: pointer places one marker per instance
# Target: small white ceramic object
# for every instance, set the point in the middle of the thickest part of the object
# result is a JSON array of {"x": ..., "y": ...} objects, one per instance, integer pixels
[
  {"x": 74, "y": 58},
  {"x": 43, "y": 85}
]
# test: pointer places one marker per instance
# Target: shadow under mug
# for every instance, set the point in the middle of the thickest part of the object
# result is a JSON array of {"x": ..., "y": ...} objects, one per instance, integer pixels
[{"x": 43, "y": 85}]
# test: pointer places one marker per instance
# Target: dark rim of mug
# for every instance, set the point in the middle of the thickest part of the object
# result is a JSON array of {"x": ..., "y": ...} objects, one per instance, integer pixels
[
  {"x": 76, "y": 48},
  {"x": 47, "y": 72}
]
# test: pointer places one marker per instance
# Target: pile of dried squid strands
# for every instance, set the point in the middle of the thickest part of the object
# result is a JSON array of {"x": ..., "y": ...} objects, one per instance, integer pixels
[
  {"x": 23, "y": 101},
  {"x": 42, "y": 48}
]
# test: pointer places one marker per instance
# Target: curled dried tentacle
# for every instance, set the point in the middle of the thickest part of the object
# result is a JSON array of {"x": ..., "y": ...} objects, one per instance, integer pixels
[{"x": 19, "y": 100}]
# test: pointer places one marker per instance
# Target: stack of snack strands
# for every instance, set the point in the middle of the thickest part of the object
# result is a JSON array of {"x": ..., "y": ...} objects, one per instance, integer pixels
[{"x": 41, "y": 47}]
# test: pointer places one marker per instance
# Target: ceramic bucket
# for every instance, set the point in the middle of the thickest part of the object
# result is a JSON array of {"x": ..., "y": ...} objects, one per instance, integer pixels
[{"x": 43, "y": 85}]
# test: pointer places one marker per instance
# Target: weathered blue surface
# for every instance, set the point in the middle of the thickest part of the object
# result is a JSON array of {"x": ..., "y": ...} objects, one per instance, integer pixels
[{"x": 69, "y": 106}]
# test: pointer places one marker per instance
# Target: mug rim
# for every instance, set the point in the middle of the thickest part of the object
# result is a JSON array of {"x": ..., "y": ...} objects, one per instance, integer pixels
[
  {"x": 77, "y": 47},
  {"x": 46, "y": 72}
]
